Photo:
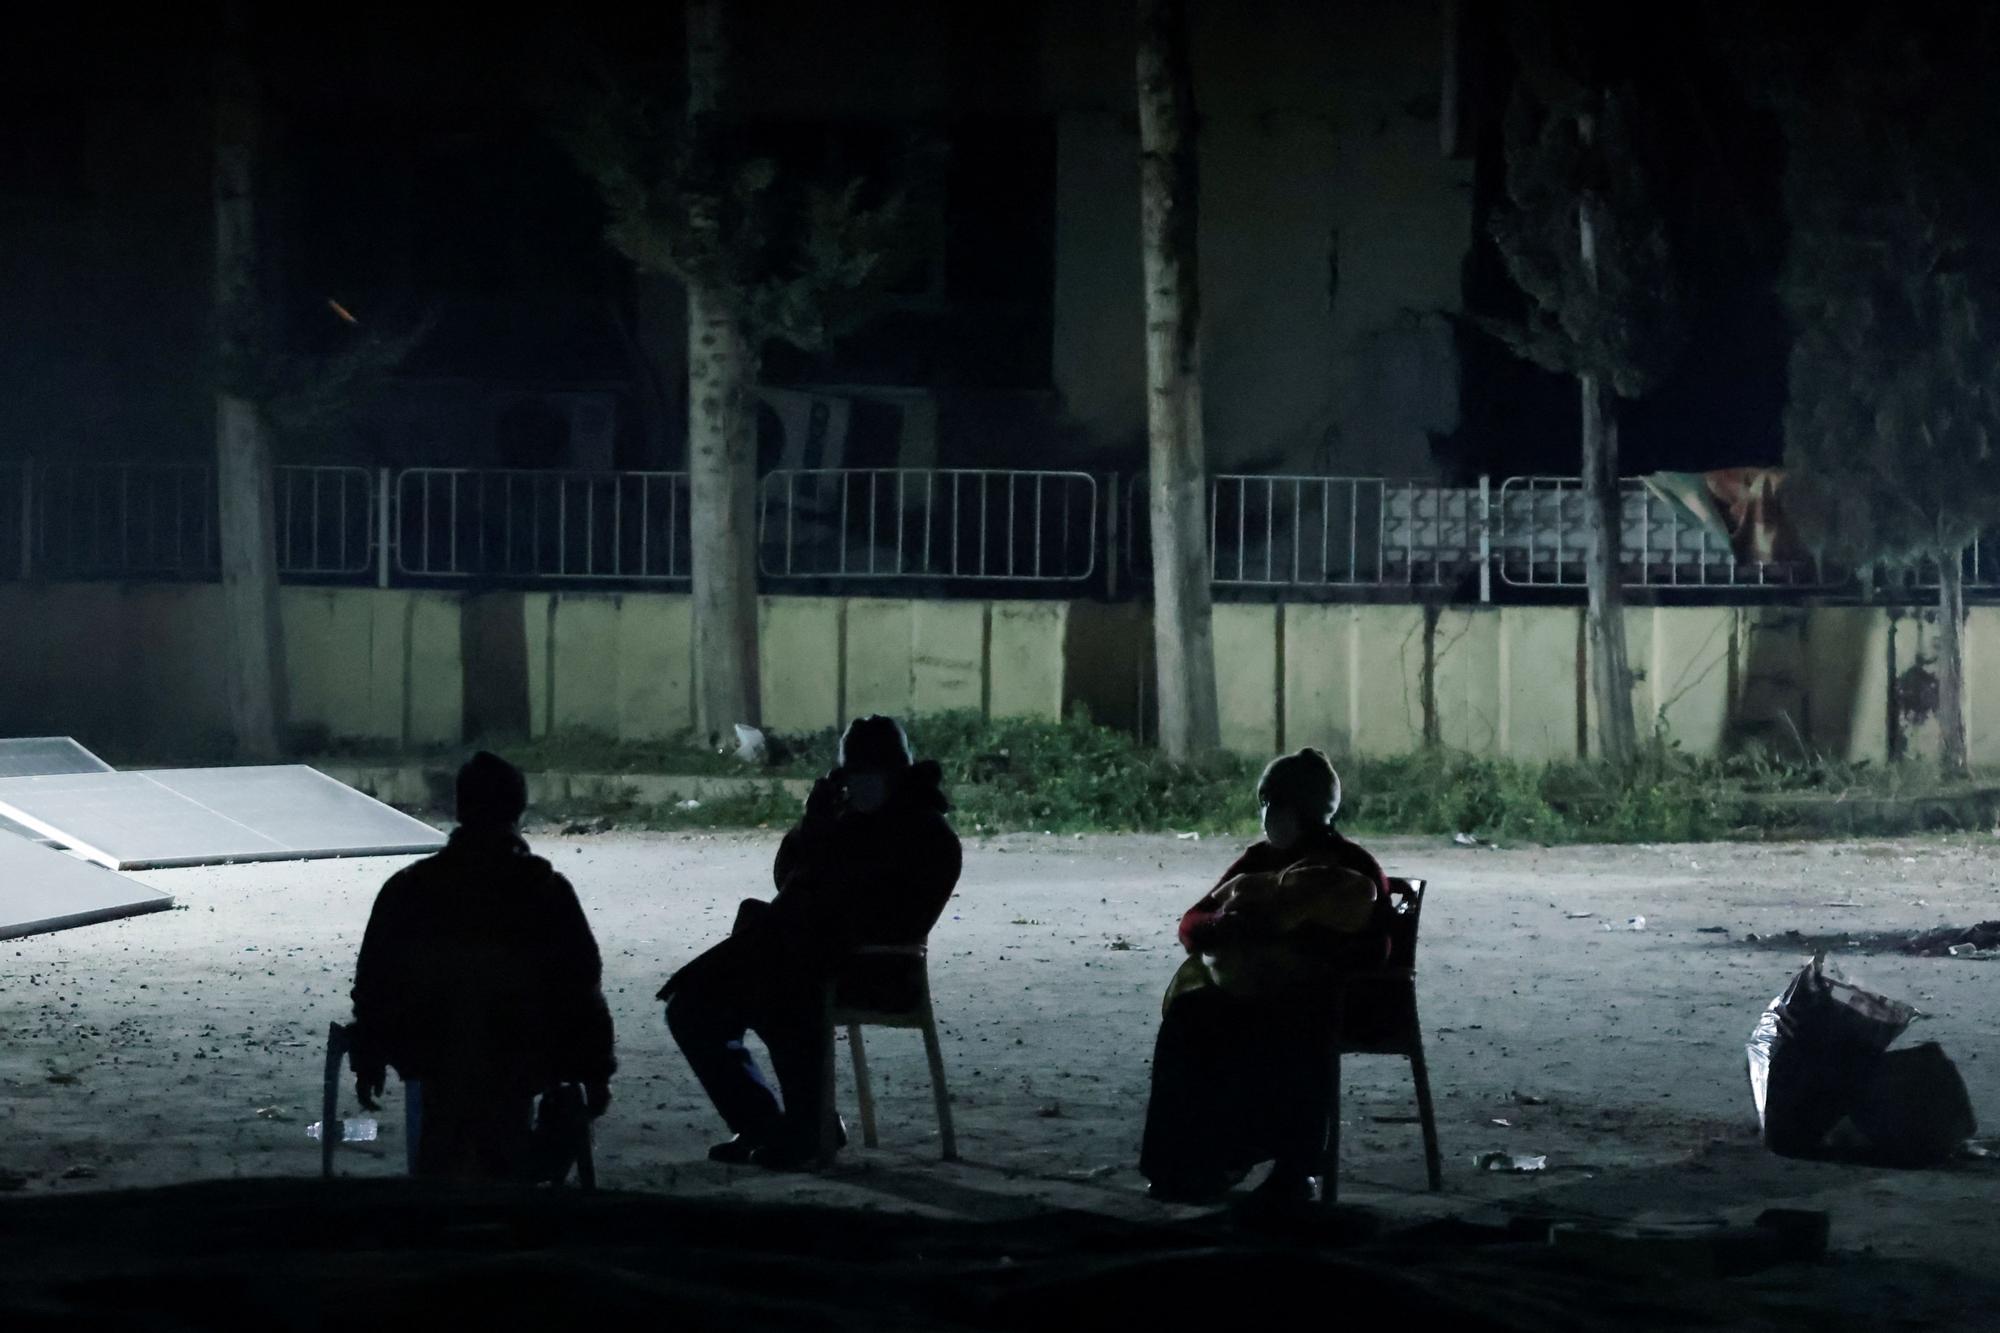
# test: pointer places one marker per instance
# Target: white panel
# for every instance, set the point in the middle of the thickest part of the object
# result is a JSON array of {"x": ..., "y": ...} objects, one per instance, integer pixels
[
  {"x": 42, "y": 889},
  {"x": 24, "y": 756},
  {"x": 303, "y": 809},
  {"x": 202, "y": 816}
]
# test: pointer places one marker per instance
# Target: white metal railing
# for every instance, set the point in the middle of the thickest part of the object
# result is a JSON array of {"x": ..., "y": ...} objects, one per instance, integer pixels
[
  {"x": 100, "y": 520},
  {"x": 969, "y": 524},
  {"x": 482, "y": 523},
  {"x": 1301, "y": 531},
  {"x": 135, "y": 520},
  {"x": 1540, "y": 539}
]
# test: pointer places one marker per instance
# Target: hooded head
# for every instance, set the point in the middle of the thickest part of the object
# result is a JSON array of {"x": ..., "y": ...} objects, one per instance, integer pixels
[
  {"x": 873, "y": 753},
  {"x": 1299, "y": 795},
  {"x": 492, "y": 794}
]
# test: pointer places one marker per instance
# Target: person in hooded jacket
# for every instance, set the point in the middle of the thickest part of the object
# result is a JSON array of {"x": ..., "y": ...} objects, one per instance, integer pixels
[
  {"x": 872, "y": 862},
  {"x": 1241, "y": 1067},
  {"x": 479, "y": 982}
]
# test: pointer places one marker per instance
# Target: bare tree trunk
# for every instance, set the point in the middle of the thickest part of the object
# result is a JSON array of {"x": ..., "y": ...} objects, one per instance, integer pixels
[
  {"x": 1610, "y": 669},
  {"x": 1183, "y": 632},
  {"x": 1611, "y": 672},
  {"x": 722, "y": 460},
  {"x": 1951, "y": 665},
  {"x": 253, "y": 648},
  {"x": 722, "y": 440}
]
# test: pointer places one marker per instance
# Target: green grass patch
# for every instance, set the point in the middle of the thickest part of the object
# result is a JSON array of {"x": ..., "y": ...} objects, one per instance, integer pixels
[{"x": 1075, "y": 776}]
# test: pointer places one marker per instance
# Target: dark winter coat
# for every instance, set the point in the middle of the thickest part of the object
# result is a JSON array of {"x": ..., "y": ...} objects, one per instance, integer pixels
[{"x": 478, "y": 968}]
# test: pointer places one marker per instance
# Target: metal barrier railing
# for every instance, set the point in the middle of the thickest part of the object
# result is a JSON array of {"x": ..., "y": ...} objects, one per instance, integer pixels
[
  {"x": 123, "y": 520},
  {"x": 471, "y": 523},
  {"x": 1302, "y": 531},
  {"x": 1540, "y": 539},
  {"x": 982, "y": 524},
  {"x": 135, "y": 520}
]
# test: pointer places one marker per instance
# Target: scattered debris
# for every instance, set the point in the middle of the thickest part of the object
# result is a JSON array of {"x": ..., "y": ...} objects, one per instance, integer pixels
[
  {"x": 1631, "y": 923},
  {"x": 1053, "y": 1111},
  {"x": 1528, "y": 1099},
  {"x": 1188, "y": 837},
  {"x": 1779, "y": 1235},
  {"x": 273, "y": 1113},
  {"x": 1949, "y": 940},
  {"x": 1712, "y": 930},
  {"x": 1121, "y": 945},
  {"x": 80, "y": 1172},
  {"x": 1470, "y": 840},
  {"x": 1397, "y": 1119},
  {"x": 1579, "y": 916},
  {"x": 750, "y": 747},
  {"x": 1504, "y": 1124},
  {"x": 689, "y": 804},
  {"x": 1510, "y": 1162},
  {"x": 577, "y": 827}
]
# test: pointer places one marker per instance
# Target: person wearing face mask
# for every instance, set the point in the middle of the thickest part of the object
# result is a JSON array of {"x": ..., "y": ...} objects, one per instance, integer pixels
[
  {"x": 873, "y": 861},
  {"x": 1240, "y": 1067}
]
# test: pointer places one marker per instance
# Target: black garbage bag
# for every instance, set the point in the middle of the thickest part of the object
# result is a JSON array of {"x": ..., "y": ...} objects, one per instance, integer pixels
[
  {"x": 1814, "y": 1052},
  {"x": 1914, "y": 1111}
]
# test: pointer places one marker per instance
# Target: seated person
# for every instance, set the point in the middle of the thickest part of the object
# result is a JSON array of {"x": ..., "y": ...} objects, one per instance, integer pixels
[
  {"x": 479, "y": 979},
  {"x": 1241, "y": 1068},
  {"x": 873, "y": 861}
]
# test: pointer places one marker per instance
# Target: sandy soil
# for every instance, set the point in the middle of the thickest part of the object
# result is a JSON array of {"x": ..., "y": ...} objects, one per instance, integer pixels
[{"x": 187, "y": 1045}]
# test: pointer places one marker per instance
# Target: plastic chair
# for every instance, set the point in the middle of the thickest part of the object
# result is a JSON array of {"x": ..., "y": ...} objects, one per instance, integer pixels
[
  {"x": 1384, "y": 1000},
  {"x": 854, "y": 1016},
  {"x": 339, "y": 1041}
]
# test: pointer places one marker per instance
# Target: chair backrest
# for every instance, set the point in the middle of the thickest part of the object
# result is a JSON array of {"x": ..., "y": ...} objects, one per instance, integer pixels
[
  {"x": 1406, "y": 902},
  {"x": 882, "y": 980}
]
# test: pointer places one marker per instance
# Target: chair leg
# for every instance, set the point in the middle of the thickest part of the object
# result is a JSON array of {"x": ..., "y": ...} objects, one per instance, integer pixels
[
  {"x": 586, "y": 1161},
  {"x": 1433, "y": 1168},
  {"x": 942, "y": 1096},
  {"x": 829, "y": 1117},
  {"x": 329, "y": 1102},
  {"x": 863, "y": 1093},
  {"x": 1330, "y": 1188},
  {"x": 413, "y": 1124}
]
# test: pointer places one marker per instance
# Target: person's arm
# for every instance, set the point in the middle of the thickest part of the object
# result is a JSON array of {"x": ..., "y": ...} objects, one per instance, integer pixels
[
  {"x": 1199, "y": 923},
  {"x": 578, "y": 981},
  {"x": 378, "y": 978}
]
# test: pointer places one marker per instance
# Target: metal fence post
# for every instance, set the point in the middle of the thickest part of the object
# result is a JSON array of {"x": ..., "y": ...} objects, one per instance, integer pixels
[
  {"x": 27, "y": 519},
  {"x": 382, "y": 528},
  {"x": 1485, "y": 539}
]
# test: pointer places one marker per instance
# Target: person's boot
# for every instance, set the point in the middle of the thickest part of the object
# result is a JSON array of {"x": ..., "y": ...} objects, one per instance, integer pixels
[
  {"x": 1286, "y": 1190},
  {"x": 795, "y": 1152},
  {"x": 736, "y": 1151}
]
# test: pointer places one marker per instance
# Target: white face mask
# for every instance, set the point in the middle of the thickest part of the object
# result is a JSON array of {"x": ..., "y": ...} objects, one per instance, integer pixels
[
  {"x": 1282, "y": 827},
  {"x": 868, "y": 792}
]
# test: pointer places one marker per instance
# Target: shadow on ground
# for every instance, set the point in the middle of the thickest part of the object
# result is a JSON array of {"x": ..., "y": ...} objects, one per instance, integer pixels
[{"x": 287, "y": 1254}]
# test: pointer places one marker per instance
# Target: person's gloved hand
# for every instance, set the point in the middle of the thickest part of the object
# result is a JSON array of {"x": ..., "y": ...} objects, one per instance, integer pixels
[
  {"x": 368, "y": 1086},
  {"x": 827, "y": 797},
  {"x": 596, "y": 1097}
]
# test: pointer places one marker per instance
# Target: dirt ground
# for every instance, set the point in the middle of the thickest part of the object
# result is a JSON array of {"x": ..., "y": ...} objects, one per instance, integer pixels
[{"x": 187, "y": 1045}]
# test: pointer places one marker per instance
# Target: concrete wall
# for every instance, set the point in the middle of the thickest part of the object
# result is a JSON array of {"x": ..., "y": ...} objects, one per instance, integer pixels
[
  {"x": 620, "y": 666},
  {"x": 135, "y": 669}
]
